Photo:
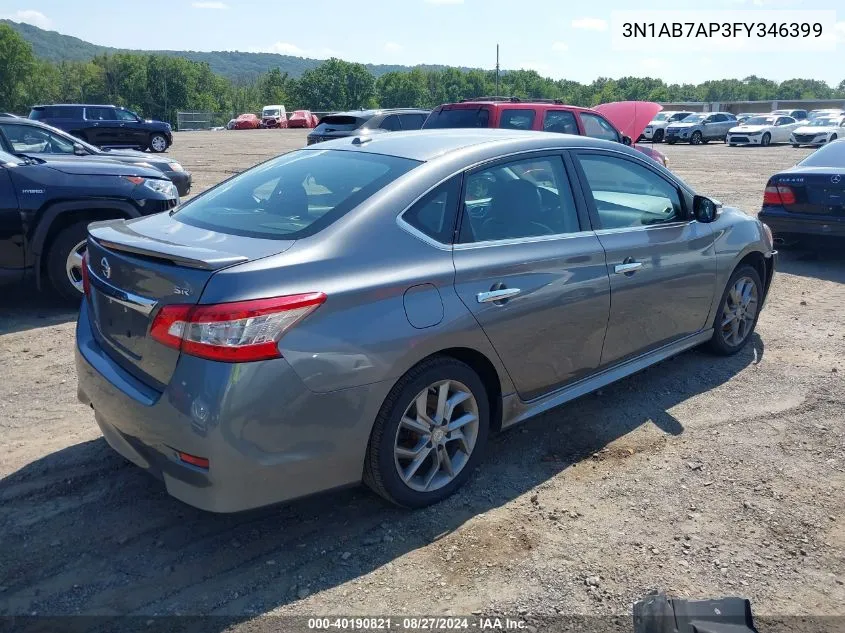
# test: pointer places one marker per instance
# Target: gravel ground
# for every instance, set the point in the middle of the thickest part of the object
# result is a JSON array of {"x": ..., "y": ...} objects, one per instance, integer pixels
[{"x": 700, "y": 476}]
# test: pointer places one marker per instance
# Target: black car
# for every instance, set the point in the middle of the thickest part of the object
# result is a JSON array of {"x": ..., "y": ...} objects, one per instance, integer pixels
[
  {"x": 808, "y": 199},
  {"x": 46, "y": 206},
  {"x": 367, "y": 122},
  {"x": 106, "y": 125},
  {"x": 24, "y": 136}
]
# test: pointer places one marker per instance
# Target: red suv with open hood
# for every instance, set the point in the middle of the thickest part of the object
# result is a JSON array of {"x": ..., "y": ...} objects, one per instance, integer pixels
[{"x": 619, "y": 121}]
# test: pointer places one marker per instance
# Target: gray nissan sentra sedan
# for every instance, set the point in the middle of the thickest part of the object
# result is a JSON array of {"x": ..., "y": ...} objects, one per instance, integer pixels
[{"x": 372, "y": 309}]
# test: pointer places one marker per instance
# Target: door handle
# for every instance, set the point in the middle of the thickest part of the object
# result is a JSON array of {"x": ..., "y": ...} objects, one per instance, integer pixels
[
  {"x": 497, "y": 295},
  {"x": 627, "y": 268}
]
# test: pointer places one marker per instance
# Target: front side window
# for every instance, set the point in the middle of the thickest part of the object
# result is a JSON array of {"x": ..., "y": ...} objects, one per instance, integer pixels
[
  {"x": 517, "y": 119},
  {"x": 434, "y": 214},
  {"x": 295, "y": 195},
  {"x": 626, "y": 194},
  {"x": 126, "y": 115},
  {"x": 33, "y": 140},
  {"x": 560, "y": 121},
  {"x": 598, "y": 127},
  {"x": 525, "y": 198}
]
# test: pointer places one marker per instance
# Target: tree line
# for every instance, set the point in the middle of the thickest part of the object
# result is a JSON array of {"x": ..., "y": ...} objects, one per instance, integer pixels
[{"x": 158, "y": 86}]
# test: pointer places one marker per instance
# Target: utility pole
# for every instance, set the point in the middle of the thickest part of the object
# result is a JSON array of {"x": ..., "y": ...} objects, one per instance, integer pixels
[{"x": 497, "y": 69}]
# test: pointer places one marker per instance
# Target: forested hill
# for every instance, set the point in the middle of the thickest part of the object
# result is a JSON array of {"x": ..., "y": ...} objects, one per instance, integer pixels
[{"x": 235, "y": 65}]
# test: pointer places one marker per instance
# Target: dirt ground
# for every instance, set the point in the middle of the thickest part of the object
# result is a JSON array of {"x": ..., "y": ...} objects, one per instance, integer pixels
[{"x": 701, "y": 476}]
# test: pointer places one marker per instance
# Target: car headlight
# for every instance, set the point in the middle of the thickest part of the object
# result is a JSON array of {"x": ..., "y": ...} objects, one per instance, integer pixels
[
  {"x": 175, "y": 167},
  {"x": 767, "y": 232},
  {"x": 753, "y": 133},
  {"x": 164, "y": 187}
]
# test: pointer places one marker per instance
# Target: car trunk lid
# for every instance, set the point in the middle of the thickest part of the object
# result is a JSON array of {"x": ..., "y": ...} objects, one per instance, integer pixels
[
  {"x": 137, "y": 266},
  {"x": 819, "y": 191}
]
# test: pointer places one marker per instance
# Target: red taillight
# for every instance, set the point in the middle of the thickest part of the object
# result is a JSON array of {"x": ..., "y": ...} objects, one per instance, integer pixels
[
  {"x": 86, "y": 281},
  {"x": 236, "y": 332},
  {"x": 193, "y": 460},
  {"x": 778, "y": 195}
]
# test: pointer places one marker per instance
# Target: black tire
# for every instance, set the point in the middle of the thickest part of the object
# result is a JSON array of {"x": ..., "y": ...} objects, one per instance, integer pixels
[
  {"x": 57, "y": 257},
  {"x": 833, "y": 137},
  {"x": 380, "y": 471},
  {"x": 766, "y": 140},
  {"x": 795, "y": 145},
  {"x": 658, "y": 136},
  {"x": 158, "y": 143},
  {"x": 670, "y": 142},
  {"x": 717, "y": 344},
  {"x": 696, "y": 138}
]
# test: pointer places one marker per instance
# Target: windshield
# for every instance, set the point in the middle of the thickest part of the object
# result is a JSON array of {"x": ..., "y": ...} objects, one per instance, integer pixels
[
  {"x": 295, "y": 195},
  {"x": 663, "y": 116},
  {"x": 760, "y": 120},
  {"x": 823, "y": 122},
  {"x": 457, "y": 118},
  {"x": 695, "y": 118},
  {"x": 271, "y": 112},
  {"x": 830, "y": 155}
]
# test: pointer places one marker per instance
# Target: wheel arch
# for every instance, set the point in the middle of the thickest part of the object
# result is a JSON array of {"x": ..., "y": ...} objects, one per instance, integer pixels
[
  {"x": 59, "y": 216},
  {"x": 763, "y": 265}
]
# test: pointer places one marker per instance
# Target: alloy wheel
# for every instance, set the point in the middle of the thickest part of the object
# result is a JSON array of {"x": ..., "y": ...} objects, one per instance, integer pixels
[
  {"x": 739, "y": 311},
  {"x": 436, "y": 436},
  {"x": 73, "y": 265},
  {"x": 158, "y": 143}
]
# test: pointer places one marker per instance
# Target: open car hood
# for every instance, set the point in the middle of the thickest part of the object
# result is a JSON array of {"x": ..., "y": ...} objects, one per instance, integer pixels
[{"x": 629, "y": 117}]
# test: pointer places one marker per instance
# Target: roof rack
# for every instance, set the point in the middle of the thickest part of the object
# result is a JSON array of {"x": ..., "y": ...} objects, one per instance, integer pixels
[{"x": 513, "y": 100}]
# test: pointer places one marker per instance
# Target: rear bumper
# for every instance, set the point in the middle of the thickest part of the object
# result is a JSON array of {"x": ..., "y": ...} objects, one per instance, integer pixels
[
  {"x": 784, "y": 223},
  {"x": 267, "y": 437}
]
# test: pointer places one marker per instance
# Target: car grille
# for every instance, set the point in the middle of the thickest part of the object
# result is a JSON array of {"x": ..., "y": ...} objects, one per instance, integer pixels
[
  {"x": 738, "y": 139},
  {"x": 804, "y": 138}
]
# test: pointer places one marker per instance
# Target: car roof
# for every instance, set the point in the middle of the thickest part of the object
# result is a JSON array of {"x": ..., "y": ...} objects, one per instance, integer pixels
[
  {"x": 77, "y": 105},
  {"x": 426, "y": 145},
  {"x": 372, "y": 112},
  {"x": 511, "y": 104}
]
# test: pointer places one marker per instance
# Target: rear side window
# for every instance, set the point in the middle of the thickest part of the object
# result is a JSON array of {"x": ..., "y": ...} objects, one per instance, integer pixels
[
  {"x": 458, "y": 118},
  {"x": 391, "y": 123},
  {"x": 560, "y": 121},
  {"x": 435, "y": 213},
  {"x": 56, "y": 112},
  {"x": 295, "y": 195},
  {"x": 100, "y": 114},
  {"x": 337, "y": 123},
  {"x": 517, "y": 119},
  {"x": 597, "y": 127},
  {"x": 411, "y": 121}
]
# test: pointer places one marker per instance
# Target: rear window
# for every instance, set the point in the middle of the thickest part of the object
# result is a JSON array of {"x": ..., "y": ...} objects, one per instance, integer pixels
[
  {"x": 831, "y": 155},
  {"x": 295, "y": 195},
  {"x": 457, "y": 118},
  {"x": 334, "y": 123},
  {"x": 56, "y": 112}
]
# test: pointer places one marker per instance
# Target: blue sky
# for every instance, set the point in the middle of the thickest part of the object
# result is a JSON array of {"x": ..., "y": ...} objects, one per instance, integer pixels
[{"x": 558, "y": 39}]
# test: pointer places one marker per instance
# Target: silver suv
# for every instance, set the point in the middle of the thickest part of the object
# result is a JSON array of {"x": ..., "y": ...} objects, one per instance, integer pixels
[{"x": 701, "y": 128}]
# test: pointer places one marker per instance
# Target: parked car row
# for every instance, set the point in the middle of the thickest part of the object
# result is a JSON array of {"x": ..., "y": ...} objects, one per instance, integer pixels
[{"x": 273, "y": 117}]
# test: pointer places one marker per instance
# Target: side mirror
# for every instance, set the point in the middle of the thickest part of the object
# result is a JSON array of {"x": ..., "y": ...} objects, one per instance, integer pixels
[
  {"x": 79, "y": 150},
  {"x": 704, "y": 209},
  {"x": 626, "y": 140}
]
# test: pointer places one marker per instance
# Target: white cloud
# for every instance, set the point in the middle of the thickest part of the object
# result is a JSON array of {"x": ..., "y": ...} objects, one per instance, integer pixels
[
  {"x": 30, "y": 16},
  {"x": 288, "y": 48},
  {"x": 203, "y": 4},
  {"x": 560, "y": 47},
  {"x": 590, "y": 24},
  {"x": 445, "y": 1},
  {"x": 284, "y": 48},
  {"x": 392, "y": 47}
]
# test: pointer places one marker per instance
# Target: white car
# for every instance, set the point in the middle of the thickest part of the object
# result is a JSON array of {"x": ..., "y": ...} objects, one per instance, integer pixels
[
  {"x": 656, "y": 129},
  {"x": 762, "y": 130},
  {"x": 825, "y": 113},
  {"x": 819, "y": 131}
]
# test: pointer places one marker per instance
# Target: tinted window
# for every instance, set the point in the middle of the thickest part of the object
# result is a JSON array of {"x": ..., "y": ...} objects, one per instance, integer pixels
[
  {"x": 597, "y": 127},
  {"x": 434, "y": 214},
  {"x": 785, "y": 120},
  {"x": 830, "y": 155},
  {"x": 126, "y": 115},
  {"x": 517, "y": 119},
  {"x": 560, "y": 121},
  {"x": 391, "y": 123},
  {"x": 411, "y": 121},
  {"x": 457, "y": 118},
  {"x": 56, "y": 112},
  {"x": 99, "y": 114},
  {"x": 627, "y": 194},
  {"x": 800, "y": 114},
  {"x": 33, "y": 140},
  {"x": 294, "y": 195},
  {"x": 525, "y": 198},
  {"x": 718, "y": 118},
  {"x": 334, "y": 122}
]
